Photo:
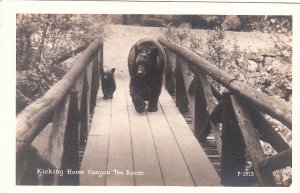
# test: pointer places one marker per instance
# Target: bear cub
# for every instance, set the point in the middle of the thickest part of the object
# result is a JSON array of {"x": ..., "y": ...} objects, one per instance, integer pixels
[
  {"x": 108, "y": 83},
  {"x": 146, "y": 63}
]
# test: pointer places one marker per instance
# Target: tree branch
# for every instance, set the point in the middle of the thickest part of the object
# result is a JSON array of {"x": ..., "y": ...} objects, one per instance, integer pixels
[
  {"x": 68, "y": 55},
  {"x": 28, "y": 100}
]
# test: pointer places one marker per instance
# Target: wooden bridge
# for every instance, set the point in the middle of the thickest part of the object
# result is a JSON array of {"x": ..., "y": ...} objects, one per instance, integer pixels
[
  {"x": 123, "y": 147},
  {"x": 159, "y": 147}
]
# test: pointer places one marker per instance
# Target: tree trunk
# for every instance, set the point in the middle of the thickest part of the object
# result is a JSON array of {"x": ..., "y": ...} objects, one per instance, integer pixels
[{"x": 39, "y": 53}]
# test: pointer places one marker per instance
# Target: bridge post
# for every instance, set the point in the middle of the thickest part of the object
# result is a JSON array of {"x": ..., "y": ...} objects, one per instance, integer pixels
[
  {"x": 233, "y": 146},
  {"x": 169, "y": 75},
  {"x": 95, "y": 81},
  {"x": 250, "y": 136},
  {"x": 83, "y": 111},
  {"x": 200, "y": 110},
  {"x": 70, "y": 158},
  {"x": 181, "y": 96}
]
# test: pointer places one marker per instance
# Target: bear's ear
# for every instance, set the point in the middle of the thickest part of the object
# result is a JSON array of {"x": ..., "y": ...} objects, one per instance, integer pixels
[
  {"x": 154, "y": 52},
  {"x": 113, "y": 70},
  {"x": 136, "y": 50},
  {"x": 101, "y": 71}
]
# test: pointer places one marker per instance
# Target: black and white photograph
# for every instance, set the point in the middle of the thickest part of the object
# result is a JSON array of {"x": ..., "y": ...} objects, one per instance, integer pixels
[{"x": 153, "y": 99}]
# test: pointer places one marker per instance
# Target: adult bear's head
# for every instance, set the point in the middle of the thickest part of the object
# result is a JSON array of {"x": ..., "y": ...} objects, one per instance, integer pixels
[{"x": 146, "y": 57}]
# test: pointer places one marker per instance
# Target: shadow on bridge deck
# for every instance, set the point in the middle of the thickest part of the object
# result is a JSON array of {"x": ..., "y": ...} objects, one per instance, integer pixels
[{"x": 127, "y": 148}]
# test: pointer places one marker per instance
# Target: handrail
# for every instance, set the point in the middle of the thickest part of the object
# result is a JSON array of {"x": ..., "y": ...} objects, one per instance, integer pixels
[
  {"x": 233, "y": 117},
  {"x": 273, "y": 106},
  {"x": 31, "y": 121}
]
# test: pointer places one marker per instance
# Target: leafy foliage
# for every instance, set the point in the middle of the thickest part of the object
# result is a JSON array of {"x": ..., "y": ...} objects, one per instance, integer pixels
[
  {"x": 267, "y": 24},
  {"x": 44, "y": 39}
]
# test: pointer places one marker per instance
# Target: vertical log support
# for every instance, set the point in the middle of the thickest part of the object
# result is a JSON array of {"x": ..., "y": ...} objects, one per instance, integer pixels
[
  {"x": 100, "y": 56},
  {"x": 190, "y": 95},
  {"x": 70, "y": 159},
  {"x": 267, "y": 132},
  {"x": 233, "y": 146},
  {"x": 169, "y": 74},
  {"x": 250, "y": 135},
  {"x": 181, "y": 98},
  {"x": 200, "y": 111},
  {"x": 95, "y": 81},
  {"x": 204, "y": 106},
  {"x": 84, "y": 111},
  {"x": 208, "y": 105},
  {"x": 89, "y": 71}
]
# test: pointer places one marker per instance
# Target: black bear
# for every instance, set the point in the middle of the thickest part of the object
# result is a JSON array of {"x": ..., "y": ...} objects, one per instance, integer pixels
[
  {"x": 146, "y": 62},
  {"x": 108, "y": 83}
]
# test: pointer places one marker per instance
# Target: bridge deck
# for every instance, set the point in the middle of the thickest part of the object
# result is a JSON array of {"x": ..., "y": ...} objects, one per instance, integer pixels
[{"x": 155, "y": 148}]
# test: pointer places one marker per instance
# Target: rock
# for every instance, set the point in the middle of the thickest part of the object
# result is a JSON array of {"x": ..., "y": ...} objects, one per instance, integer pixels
[
  {"x": 288, "y": 94},
  {"x": 260, "y": 58},
  {"x": 268, "y": 61},
  {"x": 269, "y": 68},
  {"x": 232, "y": 23},
  {"x": 252, "y": 65}
]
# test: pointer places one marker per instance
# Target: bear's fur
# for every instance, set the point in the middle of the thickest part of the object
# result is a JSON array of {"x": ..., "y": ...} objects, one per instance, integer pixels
[
  {"x": 108, "y": 83},
  {"x": 146, "y": 62}
]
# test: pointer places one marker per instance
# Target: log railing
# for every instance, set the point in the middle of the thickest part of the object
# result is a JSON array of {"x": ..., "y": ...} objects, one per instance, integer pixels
[
  {"x": 50, "y": 130},
  {"x": 234, "y": 117}
]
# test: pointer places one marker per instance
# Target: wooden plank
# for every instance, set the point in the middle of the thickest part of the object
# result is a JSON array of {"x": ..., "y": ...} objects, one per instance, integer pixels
[
  {"x": 96, "y": 150},
  {"x": 138, "y": 121},
  {"x": 101, "y": 118},
  {"x": 120, "y": 150},
  {"x": 95, "y": 160},
  {"x": 199, "y": 165},
  {"x": 171, "y": 112},
  {"x": 173, "y": 166},
  {"x": 144, "y": 152}
]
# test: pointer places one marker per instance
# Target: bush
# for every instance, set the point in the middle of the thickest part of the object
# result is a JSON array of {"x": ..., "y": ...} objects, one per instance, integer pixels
[{"x": 43, "y": 42}]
